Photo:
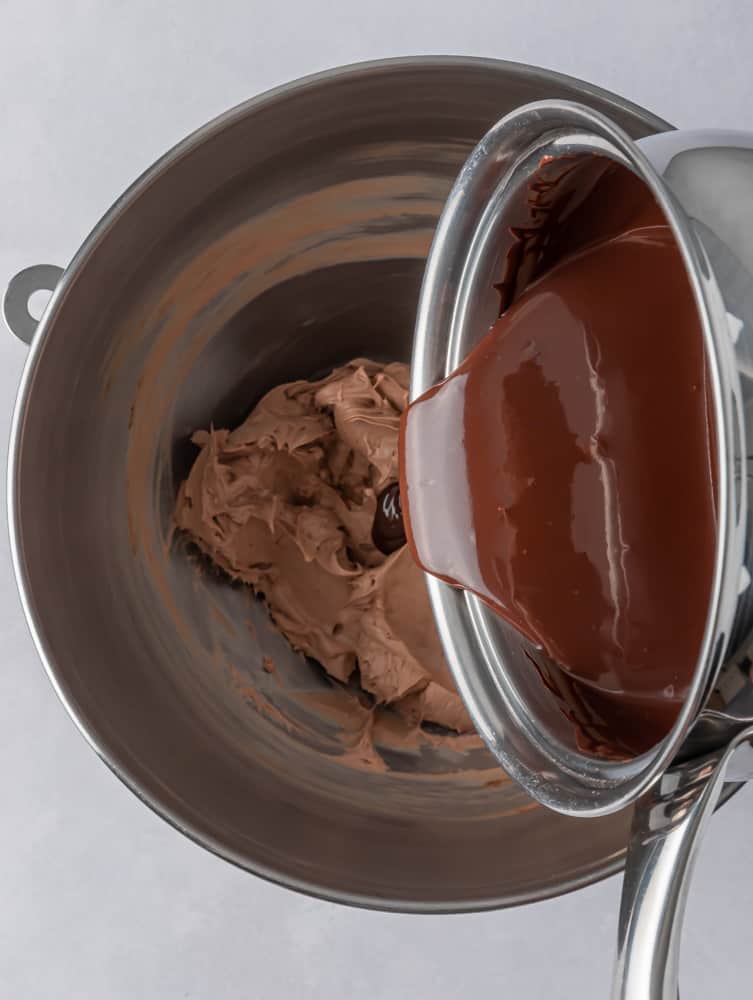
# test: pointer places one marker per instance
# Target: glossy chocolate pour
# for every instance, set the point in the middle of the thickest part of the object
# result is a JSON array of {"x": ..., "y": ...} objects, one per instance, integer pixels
[
  {"x": 388, "y": 531},
  {"x": 564, "y": 473}
]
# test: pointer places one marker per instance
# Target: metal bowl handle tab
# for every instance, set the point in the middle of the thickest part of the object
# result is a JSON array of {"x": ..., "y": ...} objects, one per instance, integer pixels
[
  {"x": 40, "y": 277},
  {"x": 668, "y": 827}
]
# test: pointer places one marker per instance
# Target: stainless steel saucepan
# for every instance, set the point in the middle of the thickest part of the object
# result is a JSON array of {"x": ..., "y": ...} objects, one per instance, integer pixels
[{"x": 703, "y": 182}]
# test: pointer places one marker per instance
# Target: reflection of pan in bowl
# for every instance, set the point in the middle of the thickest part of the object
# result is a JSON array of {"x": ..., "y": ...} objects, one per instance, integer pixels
[{"x": 279, "y": 241}]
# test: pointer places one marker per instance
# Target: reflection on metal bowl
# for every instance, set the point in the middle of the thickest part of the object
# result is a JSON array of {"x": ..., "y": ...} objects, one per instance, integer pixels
[{"x": 280, "y": 240}]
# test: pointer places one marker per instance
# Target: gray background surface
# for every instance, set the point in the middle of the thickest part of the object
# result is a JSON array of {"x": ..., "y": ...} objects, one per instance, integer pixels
[{"x": 98, "y": 897}]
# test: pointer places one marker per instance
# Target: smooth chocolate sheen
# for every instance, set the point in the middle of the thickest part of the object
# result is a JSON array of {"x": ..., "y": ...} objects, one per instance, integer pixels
[
  {"x": 564, "y": 473},
  {"x": 388, "y": 532}
]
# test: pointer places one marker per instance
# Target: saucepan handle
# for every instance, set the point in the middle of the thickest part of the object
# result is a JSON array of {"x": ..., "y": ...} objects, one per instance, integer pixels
[
  {"x": 668, "y": 826},
  {"x": 40, "y": 277}
]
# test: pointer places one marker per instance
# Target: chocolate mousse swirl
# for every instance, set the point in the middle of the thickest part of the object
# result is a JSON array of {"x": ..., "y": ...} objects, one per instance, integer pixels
[{"x": 286, "y": 502}]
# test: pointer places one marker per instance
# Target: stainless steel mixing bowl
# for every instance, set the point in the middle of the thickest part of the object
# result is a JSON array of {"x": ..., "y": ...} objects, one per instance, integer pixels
[{"x": 284, "y": 237}]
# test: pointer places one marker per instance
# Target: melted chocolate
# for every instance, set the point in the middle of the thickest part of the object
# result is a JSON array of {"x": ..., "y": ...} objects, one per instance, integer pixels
[
  {"x": 564, "y": 472},
  {"x": 388, "y": 533}
]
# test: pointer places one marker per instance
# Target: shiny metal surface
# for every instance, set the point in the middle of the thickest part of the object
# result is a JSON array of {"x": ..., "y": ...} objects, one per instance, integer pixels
[
  {"x": 704, "y": 184},
  {"x": 282, "y": 238},
  {"x": 520, "y": 723},
  {"x": 667, "y": 831}
]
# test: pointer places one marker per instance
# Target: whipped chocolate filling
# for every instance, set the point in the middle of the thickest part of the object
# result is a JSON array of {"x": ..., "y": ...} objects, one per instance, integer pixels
[{"x": 288, "y": 503}]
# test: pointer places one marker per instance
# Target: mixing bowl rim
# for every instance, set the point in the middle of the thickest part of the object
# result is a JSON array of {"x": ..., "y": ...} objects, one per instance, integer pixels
[{"x": 83, "y": 254}]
